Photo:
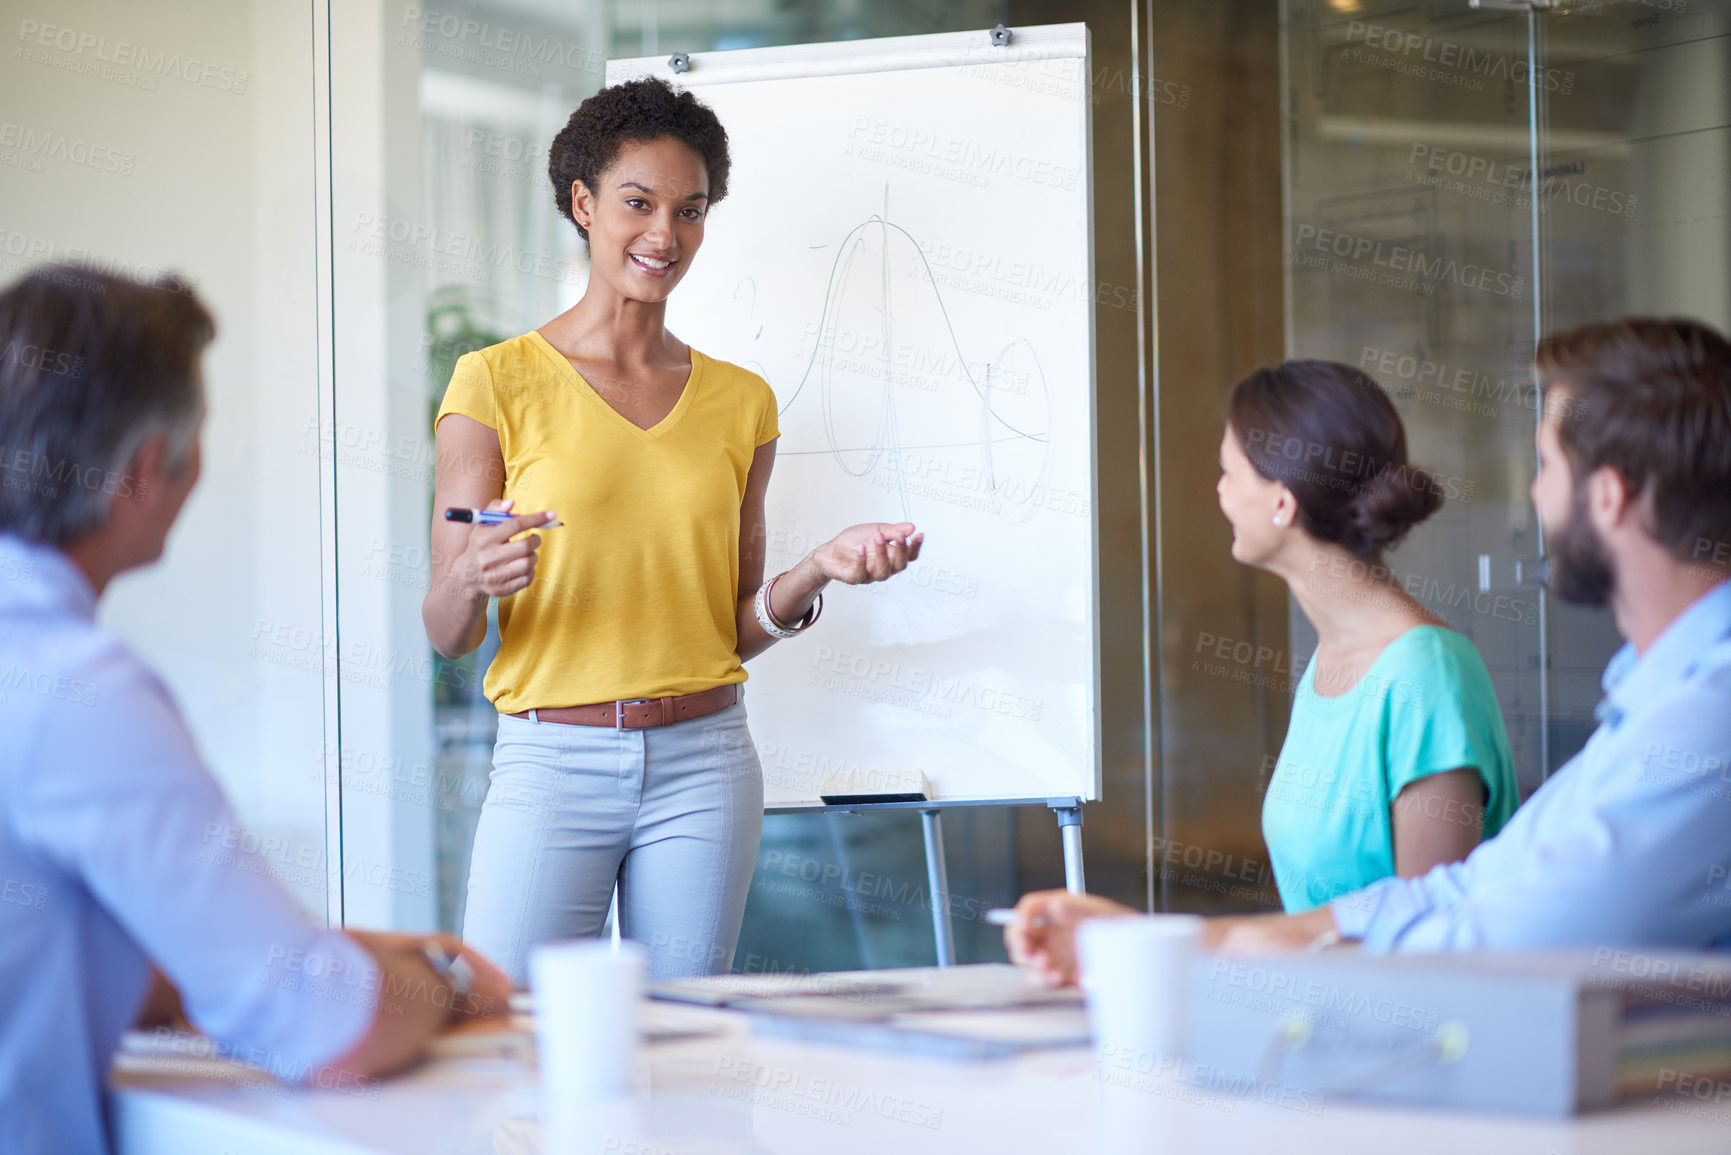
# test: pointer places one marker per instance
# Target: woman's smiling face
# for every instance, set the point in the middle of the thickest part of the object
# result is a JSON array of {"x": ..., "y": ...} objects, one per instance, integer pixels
[{"x": 645, "y": 221}]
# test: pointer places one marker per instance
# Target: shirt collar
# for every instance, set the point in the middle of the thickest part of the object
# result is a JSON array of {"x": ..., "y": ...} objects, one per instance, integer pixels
[
  {"x": 1633, "y": 680},
  {"x": 39, "y": 576}
]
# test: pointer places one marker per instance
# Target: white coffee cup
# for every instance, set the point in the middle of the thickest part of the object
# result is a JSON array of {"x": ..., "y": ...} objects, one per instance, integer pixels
[
  {"x": 586, "y": 1025},
  {"x": 1135, "y": 974}
]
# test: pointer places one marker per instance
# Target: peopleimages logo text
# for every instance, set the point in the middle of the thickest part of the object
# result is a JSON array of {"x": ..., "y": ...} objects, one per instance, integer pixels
[
  {"x": 1410, "y": 262},
  {"x": 1460, "y": 57},
  {"x": 125, "y": 54}
]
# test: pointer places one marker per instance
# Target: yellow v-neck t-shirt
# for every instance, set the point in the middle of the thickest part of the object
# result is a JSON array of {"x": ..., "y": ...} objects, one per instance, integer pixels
[{"x": 635, "y": 594}]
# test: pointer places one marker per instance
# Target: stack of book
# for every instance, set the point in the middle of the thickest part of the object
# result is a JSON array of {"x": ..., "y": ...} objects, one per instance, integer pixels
[
  {"x": 1674, "y": 1038},
  {"x": 1550, "y": 1034}
]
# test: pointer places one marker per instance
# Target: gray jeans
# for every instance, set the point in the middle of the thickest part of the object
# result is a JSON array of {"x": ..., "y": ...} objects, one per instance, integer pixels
[{"x": 674, "y": 814}]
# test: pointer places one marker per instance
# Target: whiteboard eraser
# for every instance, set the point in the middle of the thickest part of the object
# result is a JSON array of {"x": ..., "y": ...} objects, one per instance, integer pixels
[{"x": 846, "y": 787}]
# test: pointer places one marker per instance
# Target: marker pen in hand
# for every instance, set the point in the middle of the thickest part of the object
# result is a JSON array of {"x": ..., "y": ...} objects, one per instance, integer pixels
[{"x": 489, "y": 517}]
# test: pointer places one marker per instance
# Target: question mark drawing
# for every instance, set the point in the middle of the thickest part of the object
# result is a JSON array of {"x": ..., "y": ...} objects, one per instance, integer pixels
[{"x": 751, "y": 309}]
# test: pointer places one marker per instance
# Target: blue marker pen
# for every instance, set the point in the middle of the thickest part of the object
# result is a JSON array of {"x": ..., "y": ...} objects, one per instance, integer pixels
[{"x": 489, "y": 517}]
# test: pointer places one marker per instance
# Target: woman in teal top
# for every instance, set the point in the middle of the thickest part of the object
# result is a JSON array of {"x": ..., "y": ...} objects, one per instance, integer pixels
[{"x": 1396, "y": 759}]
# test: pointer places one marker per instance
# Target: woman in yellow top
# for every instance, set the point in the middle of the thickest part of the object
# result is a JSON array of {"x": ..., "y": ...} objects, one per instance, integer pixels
[{"x": 623, "y": 753}]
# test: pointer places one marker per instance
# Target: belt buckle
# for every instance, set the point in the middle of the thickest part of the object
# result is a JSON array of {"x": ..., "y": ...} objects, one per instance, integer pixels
[{"x": 619, "y": 710}]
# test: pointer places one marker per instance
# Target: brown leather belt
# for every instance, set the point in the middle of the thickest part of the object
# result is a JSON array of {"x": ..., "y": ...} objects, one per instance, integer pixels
[{"x": 640, "y": 713}]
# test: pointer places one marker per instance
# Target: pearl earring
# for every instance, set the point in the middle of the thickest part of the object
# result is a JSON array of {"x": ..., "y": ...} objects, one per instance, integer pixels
[{"x": 1278, "y": 520}]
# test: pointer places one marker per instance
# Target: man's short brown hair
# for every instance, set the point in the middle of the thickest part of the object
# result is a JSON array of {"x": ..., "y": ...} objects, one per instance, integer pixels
[{"x": 1651, "y": 399}]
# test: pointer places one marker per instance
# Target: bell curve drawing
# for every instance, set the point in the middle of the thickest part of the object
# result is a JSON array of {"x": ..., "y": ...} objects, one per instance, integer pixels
[
  {"x": 859, "y": 363},
  {"x": 905, "y": 255}
]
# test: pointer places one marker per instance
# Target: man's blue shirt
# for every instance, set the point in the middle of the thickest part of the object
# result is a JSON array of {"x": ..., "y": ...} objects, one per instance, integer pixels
[
  {"x": 1629, "y": 844},
  {"x": 117, "y": 850}
]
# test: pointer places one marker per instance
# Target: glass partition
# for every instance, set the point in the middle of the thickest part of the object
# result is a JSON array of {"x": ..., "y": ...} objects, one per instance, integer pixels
[
  {"x": 1458, "y": 181},
  {"x": 152, "y": 137},
  {"x": 444, "y": 239},
  {"x": 1633, "y": 194},
  {"x": 1410, "y": 254},
  {"x": 1374, "y": 219}
]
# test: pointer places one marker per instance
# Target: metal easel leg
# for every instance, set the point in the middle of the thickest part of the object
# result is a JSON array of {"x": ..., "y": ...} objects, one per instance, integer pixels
[
  {"x": 938, "y": 887},
  {"x": 1070, "y": 829}
]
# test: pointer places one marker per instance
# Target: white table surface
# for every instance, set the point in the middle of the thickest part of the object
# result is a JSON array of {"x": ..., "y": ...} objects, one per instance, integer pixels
[{"x": 731, "y": 1093}]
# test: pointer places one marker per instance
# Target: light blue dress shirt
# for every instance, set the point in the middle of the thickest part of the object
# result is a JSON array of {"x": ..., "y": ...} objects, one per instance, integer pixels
[
  {"x": 117, "y": 849},
  {"x": 1629, "y": 844}
]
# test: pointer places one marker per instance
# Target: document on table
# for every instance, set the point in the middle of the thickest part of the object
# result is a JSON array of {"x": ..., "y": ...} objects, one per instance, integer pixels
[{"x": 967, "y": 1012}]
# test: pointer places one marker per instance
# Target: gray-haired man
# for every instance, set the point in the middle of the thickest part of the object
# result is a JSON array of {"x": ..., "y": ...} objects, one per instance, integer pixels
[{"x": 113, "y": 912}]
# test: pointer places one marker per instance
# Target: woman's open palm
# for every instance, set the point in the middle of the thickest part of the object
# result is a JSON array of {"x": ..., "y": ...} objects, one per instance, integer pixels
[{"x": 867, "y": 553}]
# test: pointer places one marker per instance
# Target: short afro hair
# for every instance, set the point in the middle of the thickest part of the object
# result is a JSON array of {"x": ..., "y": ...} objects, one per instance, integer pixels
[{"x": 637, "y": 110}]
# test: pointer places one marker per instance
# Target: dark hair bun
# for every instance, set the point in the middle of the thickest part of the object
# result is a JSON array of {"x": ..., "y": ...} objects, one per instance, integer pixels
[
  {"x": 1388, "y": 505},
  {"x": 1332, "y": 437}
]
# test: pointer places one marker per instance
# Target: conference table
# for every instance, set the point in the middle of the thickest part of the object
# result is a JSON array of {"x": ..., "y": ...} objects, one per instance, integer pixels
[{"x": 708, "y": 1086}]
